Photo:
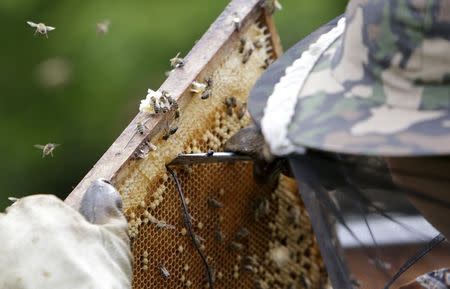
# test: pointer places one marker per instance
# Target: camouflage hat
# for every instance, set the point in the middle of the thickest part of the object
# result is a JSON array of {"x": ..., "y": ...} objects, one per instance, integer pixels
[{"x": 375, "y": 81}]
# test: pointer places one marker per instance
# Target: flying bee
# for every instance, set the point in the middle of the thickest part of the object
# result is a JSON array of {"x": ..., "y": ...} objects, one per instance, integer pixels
[
  {"x": 103, "y": 27},
  {"x": 215, "y": 204},
  {"x": 164, "y": 272},
  {"x": 41, "y": 28},
  {"x": 247, "y": 55},
  {"x": 236, "y": 22},
  {"x": 47, "y": 149},
  {"x": 177, "y": 61}
]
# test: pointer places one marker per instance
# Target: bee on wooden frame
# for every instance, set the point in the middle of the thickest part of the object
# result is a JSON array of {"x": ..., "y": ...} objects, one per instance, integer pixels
[
  {"x": 177, "y": 61},
  {"x": 141, "y": 128}
]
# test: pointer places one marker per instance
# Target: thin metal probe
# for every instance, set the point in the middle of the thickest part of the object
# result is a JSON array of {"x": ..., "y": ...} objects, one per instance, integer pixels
[{"x": 205, "y": 158}]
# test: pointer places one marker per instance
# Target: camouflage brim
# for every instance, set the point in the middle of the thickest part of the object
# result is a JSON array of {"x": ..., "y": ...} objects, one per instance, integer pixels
[{"x": 309, "y": 99}]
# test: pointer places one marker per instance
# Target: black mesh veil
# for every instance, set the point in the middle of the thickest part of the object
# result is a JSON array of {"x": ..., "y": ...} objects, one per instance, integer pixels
[{"x": 342, "y": 190}]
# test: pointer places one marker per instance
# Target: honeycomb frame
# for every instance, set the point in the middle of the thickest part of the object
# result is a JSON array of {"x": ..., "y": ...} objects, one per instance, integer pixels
[{"x": 164, "y": 257}]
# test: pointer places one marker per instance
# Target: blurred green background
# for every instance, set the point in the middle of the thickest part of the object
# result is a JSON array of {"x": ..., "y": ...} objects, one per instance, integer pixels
[{"x": 80, "y": 89}]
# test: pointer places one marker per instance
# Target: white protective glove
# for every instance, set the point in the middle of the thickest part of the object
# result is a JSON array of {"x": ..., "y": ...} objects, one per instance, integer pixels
[{"x": 45, "y": 243}]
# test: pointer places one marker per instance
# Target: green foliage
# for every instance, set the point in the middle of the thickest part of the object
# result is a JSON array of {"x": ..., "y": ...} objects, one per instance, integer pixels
[{"x": 106, "y": 76}]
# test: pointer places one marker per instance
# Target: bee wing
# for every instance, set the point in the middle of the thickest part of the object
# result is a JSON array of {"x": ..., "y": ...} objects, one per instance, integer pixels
[
  {"x": 50, "y": 28},
  {"x": 38, "y": 146},
  {"x": 56, "y": 144},
  {"x": 32, "y": 24}
]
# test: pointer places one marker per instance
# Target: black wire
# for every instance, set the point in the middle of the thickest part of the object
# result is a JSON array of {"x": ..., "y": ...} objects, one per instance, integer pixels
[
  {"x": 188, "y": 223},
  {"x": 416, "y": 257}
]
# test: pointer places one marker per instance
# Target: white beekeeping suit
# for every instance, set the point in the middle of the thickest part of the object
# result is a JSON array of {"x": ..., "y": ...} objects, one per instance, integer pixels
[{"x": 45, "y": 243}]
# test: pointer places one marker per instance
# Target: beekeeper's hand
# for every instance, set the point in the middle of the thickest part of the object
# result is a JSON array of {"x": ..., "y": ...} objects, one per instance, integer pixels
[
  {"x": 250, "y": 141},
  {"x": 45, "y": 243}
]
